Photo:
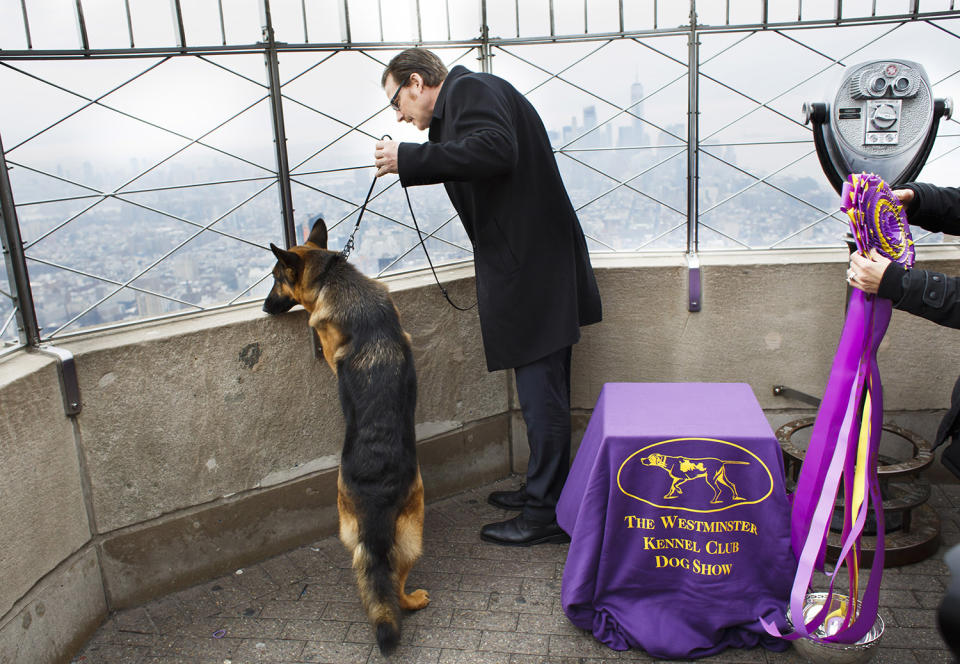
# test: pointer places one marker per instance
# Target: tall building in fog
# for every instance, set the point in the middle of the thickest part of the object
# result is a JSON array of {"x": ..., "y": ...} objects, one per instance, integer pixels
[
  {"x": 636, "y": 108},
  {"x": 589, "y": 117}
]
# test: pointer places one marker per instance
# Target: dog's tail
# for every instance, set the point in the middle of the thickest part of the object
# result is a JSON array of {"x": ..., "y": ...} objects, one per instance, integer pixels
[{"x": 375, "y": 577}]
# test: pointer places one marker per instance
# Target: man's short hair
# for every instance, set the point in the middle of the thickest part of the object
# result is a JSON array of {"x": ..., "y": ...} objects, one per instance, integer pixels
[{"x": 415, "y": 60}]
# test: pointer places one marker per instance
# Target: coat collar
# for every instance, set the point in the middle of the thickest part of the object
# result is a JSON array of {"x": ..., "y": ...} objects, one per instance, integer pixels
[{"x": 452, "y": 76}]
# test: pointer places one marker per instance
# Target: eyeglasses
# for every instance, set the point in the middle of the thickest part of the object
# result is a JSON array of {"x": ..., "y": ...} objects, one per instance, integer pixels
[{"x": 395, "y": 99}]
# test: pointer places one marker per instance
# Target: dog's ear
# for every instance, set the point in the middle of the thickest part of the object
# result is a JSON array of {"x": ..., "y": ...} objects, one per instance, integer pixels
[
  {"x": 288, "y": 259},
  {"x": 318, "y": 234}
]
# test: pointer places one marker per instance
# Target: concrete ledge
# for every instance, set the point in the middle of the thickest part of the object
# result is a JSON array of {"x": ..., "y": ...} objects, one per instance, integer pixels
[
  {"x": 211, "y": 441},
  {"x": 186, "y": 548},
  {"x": 58, "y": 616},
  {"x": 42, "y": 505},
  {"x": 473, "y": 456}
]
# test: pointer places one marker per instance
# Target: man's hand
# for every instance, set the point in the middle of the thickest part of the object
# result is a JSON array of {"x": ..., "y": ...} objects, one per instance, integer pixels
[
  {"x": 385, "y": 157},
  {"x": 905, "y": 195},
  {"x": 866, "y": 272}
]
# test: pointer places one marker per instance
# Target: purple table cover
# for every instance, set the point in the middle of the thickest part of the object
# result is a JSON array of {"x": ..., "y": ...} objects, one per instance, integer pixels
[{"x": 679, "y": 521}]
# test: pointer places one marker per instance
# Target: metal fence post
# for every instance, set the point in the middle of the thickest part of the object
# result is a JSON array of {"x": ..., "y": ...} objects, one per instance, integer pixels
[
  {"x": 279, "y": 130},
  {"x": 694, "y": 293},
  {"x": 16, "y": 261},
  {"x": 486, "y": 54}
]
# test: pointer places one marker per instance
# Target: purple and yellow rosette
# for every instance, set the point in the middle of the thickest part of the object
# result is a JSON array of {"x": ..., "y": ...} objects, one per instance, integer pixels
[
  {"x": 877, "y": 219},
  {"x": 846, "y": 435}
]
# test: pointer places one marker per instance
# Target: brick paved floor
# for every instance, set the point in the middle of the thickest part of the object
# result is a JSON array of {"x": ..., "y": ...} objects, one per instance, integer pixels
[{"x": 489, "y": 605}]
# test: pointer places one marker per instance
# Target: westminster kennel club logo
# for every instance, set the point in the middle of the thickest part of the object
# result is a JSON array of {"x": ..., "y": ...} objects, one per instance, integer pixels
[
  {"x": 681, "y": 470},
  {"x": 695, "y": 475}
]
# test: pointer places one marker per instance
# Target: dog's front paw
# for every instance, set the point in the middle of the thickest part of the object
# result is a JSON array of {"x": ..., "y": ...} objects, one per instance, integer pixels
[{"x": 415, "y": 601}]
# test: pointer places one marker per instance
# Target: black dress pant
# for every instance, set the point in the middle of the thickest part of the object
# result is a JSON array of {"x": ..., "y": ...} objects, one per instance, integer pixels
[{"x": 543, "y": 389}]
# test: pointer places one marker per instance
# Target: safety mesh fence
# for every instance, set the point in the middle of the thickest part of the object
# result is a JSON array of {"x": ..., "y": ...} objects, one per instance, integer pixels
[{"x": 145, "y": 179}]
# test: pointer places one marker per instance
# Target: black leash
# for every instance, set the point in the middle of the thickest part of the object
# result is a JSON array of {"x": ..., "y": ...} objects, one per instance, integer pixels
[
  {"x": 348, "y": 247},
  {"x": 430, "y": 262}
]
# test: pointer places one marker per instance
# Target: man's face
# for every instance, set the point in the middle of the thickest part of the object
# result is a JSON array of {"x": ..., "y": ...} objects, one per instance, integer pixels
[{"x": 410, "y": 104}]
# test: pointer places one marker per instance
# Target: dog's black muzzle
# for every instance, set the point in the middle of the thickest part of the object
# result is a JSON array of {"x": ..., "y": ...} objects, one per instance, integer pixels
[{"x": 277, "y": 305}]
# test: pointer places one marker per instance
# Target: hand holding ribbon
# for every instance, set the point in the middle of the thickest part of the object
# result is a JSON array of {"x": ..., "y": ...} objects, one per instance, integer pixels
[{"x": 866, "y": 272}]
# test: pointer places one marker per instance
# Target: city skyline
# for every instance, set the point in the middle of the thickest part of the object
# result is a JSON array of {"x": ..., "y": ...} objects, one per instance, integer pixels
[{"x": 164, "y": 162}]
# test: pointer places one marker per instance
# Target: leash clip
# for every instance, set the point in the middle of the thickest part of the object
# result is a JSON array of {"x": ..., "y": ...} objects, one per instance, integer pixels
[{"x": 345, "y": 252}]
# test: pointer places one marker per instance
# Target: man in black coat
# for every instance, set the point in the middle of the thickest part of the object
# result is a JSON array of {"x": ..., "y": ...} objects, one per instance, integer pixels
[
  {"x": 535, "y": 284},
  {"x": 931, "y": 295}
]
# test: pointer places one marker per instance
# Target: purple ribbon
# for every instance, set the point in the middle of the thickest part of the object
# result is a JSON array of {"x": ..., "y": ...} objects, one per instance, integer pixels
[{"x": 877, "y": 222}]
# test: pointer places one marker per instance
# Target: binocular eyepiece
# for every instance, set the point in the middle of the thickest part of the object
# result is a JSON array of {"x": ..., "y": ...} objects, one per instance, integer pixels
[{"x": 883, "y": 120}]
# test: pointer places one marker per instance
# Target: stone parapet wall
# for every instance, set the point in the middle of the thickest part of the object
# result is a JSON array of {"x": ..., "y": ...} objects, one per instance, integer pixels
[{"x": 211, "y": 441}]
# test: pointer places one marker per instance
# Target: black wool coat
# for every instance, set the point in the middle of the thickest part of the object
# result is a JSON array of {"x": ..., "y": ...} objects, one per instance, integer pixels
[
  {"x": 535, "y": 284},
  {"x": 928, "y": 294}
]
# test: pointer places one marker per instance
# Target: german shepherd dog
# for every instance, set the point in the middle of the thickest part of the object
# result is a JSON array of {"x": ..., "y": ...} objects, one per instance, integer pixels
[{"x": 380, "y": 493}]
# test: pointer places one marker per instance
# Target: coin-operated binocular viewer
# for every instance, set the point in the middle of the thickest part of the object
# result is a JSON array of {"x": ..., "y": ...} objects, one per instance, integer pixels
[{"x": 883, "y": 120}]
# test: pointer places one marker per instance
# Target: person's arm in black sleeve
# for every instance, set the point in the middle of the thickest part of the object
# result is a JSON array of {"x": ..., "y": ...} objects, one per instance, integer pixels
[
  {"x": 487, "y": 146},
  {"x": 936, "y": 209},
  {"x": 927, "y": 294}
]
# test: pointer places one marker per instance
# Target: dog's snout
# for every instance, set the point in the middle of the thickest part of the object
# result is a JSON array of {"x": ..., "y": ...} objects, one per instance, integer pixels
[{"x": 278, "y": 304}]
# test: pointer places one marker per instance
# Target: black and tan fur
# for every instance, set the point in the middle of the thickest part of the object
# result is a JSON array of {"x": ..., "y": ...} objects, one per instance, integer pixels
[{"x": 380, "y": 493}]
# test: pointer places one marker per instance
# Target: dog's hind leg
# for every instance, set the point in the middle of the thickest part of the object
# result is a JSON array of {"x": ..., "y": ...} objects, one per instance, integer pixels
[
  {"x": 408, "y": 545},
  {"x": 349, "y": 525},
  {"x": 371, "y": 565},
  {"x": 722, "y": 479},
  {"x": 712, "y": 485}
]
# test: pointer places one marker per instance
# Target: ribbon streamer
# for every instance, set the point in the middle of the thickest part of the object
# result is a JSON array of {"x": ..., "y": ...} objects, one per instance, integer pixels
[{"x": 846, "y": 435}]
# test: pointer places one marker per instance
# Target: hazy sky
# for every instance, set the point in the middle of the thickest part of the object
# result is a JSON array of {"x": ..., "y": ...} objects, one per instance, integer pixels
[{"x": 192, "y": 96}]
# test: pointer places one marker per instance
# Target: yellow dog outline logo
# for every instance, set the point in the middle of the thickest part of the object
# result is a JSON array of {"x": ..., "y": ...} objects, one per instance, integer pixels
[
  {"x": 649, "y": 449},
  {"x": 683, "y": 469}
]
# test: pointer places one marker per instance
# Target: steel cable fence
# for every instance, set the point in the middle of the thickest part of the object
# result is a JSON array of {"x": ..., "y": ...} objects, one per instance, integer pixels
[{"x": 143, "y": 169}]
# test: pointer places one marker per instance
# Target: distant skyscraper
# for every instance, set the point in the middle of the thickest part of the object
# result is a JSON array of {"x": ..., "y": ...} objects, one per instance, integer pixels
[
  {"x": 589, "y": 117},
  {"x": 636, "y": 107},
  {"x": 571, "y": 131},
  {"x": 591, "y": 136},
  {"x": 636, "y": 94}
]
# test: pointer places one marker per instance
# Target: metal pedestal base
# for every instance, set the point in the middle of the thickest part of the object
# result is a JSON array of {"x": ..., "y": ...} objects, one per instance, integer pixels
[{"x": 912, "y": 528}]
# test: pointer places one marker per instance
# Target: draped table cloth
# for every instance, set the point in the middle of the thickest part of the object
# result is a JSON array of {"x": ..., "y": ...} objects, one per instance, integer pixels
[{"x": 679, "y": 521}]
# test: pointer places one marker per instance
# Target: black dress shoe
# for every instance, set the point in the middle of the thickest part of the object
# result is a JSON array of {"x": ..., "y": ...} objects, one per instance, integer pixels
[
  {"x": 520, "y": 532},
  {"x": 509, "y": 500}
]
